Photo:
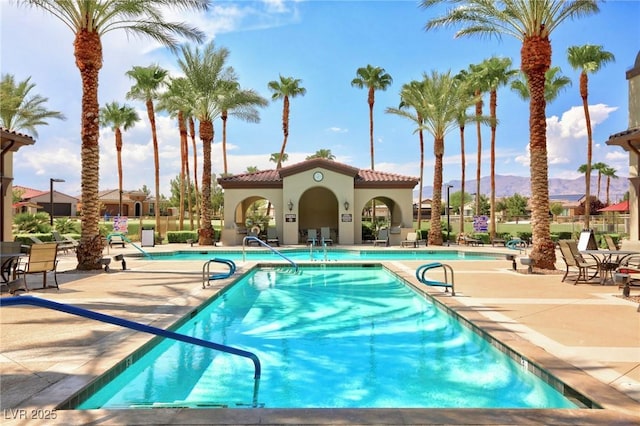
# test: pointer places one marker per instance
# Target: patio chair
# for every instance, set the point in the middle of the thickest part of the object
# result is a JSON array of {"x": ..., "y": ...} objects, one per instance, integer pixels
[
  {"x": 312, "y": 236},
  {"x": 272, "y": 237},
  {"x": 573, "y": 259},
  {"x": 325, "y": 234},
  {"x": 383, "y": 238},
  {"x": 42, "y": 259},
  {"x": 470, "y": 241},
  {"x": 412, "y": 240},
  {"x": 611, "y": 245}
]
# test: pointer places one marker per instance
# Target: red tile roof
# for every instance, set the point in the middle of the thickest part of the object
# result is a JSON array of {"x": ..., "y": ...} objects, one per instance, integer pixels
[{"x": 362, "y": 178}]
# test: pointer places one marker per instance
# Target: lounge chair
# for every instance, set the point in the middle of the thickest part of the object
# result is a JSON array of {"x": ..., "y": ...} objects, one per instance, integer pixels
[
  {"x": 383, "y": 238},
  {"x": 574, "y": 259},
  {"x": 272, "y": 237},
  {"x": 325, "y": 234},
  {"x": 312, "y": 236},
  {"x": 64, "y": 243},
  {"x": 412, "y": 240},
  {"x": 115, "y": 239},
  {"x": 470, "y": 241},
  {"x": 42, "y": 259}
]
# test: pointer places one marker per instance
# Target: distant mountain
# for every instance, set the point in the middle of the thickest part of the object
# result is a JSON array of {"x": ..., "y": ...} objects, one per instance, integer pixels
[{"x": 506, "y": 186}]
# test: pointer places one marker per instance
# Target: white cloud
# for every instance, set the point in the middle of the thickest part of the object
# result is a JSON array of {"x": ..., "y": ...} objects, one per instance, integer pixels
[{"x": 567, "y": 135}]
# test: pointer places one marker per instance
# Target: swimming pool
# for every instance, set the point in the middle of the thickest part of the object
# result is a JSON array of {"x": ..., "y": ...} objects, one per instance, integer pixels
[
  {"x": 331, "y": 336},
  {"x": 331, "y": 254}
]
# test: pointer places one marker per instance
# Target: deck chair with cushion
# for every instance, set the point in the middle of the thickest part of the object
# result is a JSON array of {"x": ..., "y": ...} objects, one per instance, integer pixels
[
  {"x": 115, "y": 238},
  {"x": 412, "y": 240},
  {"x": 383, "y": 238},
  {"x": 325, "y": 234},
  {"x": 42, "y": 259},
  {"x": 583, "y": 270}
]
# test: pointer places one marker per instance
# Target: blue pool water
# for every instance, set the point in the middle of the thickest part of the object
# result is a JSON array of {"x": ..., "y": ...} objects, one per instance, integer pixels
[
  {"x": 318, "y": 254},
  {"x": 329, "y": 337}
]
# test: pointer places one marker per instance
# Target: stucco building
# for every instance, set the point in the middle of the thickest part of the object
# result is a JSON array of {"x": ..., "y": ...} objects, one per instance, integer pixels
[
  {"x": 314, "y": 194},
  {"x": 629, "y": 140}
]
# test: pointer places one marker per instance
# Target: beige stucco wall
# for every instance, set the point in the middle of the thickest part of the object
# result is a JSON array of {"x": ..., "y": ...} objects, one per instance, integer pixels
[
  {"x": 7, "y": 204},
  {"x": 634, "y": 158}
]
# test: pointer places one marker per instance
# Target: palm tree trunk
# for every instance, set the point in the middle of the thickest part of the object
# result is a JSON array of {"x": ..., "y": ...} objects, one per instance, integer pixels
[
  {"x": 119, "y": 158},
  {"x": 536, "y": 59},
  {"x": 88, "y": 54},
  {"x": 463, "y": 167},
  {"x": 493, "y": 96},
  {"x": 192, "y": 131},
  {"x": 183, "y": 159},
  {"x": 156, "y": 161},
  {"x": 205, "y": 232},
  {"x": 285, "y": 129},
  {"x": 435, "y": 231},
  {"x": 421, "y": 134},
  {"x": 371, "y": 101},
  {"x": 585, "y": 105},
  {"x": 479, "y": 155},
  {"x": 224, "y": 116}
]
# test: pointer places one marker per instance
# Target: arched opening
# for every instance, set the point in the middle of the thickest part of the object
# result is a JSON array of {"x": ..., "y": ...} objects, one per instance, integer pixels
[
  {"x": 254, "y": 216},
  {"x": 138, "y": 209},
  {"x": 388, "y": 215},
  {"x": 318, "y": 209}
]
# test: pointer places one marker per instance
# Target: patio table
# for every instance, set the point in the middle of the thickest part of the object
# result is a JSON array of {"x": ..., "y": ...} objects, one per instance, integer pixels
[{"x": 606, "y": 265}]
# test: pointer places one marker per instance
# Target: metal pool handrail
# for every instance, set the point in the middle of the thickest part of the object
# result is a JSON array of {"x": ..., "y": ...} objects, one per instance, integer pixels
[
  {"x": 74, "y": 310},
  {"x": 262, "y": 243}
]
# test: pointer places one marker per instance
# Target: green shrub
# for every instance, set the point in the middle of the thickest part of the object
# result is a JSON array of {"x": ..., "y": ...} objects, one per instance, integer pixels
[
  {"x": 526, "y": 236},
  {"x": 24, "y": 238},
  {"x": 32, "y": 223},
  {"x": 182, "y": 236}
]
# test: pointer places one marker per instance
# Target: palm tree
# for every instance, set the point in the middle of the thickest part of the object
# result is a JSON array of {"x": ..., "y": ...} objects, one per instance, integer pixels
[
  {"x": 476, "y": 79},
  {"x": 287, "y": 87},
  {"x": 532, "y": 23},
  {"x": 437, "y": 101},
  {"x": 373, "y": 78},
  {"x": 176, "y": 100},
  {"x": 251, "y": 169},
  {"x": 599, "y": 166},
  {"x": 192, "y": 135},
  {"x": 322, "y": 153},
  {"x": 119, "y": 118},
  {"x": 90, "y": 20},
  {"x": 554, "y": 83},
  {"x": 208, "y": 76},
  {"x": 412, "y": 95},
  {"x": 278, "y": 158},
  {"x": 588, "y": 58},
  {"x": 467, "y": 95},
  {"x": 20, "y": 111},
  {"x": 610, "y": 173},
  {"x": 148, "y": 82},
  {"x": 498, "y": 73},
  {"x": 240, "y": 103}
]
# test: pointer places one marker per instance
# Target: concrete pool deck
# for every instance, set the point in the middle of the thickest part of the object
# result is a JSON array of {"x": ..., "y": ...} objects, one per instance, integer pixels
[{"x": 583, "y": 334}]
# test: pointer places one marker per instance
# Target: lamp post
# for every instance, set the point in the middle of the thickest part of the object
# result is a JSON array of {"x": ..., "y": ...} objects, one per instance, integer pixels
[
  {"x": 51, "y": 197},
  {"x": 448, "y": 217}
]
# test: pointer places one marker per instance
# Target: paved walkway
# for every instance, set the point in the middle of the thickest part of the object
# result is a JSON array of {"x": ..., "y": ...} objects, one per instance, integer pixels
[{"x": 585, "y": 335}]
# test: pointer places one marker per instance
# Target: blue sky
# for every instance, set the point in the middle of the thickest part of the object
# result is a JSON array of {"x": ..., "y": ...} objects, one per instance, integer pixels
[{"x": 322, "y": 43}]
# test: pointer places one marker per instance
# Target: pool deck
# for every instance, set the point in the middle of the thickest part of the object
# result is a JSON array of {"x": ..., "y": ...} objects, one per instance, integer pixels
[{"x": 585, "y": 334}]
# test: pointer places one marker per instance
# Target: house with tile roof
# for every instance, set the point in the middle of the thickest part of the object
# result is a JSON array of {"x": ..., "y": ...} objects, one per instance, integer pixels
[
  {"x": 63, "y": 205},
  {"x": 134, "y": 203},
  {"x": 315, "y": 194}
]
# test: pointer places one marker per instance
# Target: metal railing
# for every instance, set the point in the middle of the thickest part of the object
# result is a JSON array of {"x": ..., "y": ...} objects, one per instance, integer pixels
[{"x": 262, "y": 243}]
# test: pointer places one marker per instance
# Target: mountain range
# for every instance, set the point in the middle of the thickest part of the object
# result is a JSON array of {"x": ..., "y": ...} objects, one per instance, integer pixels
[{"x": 507, "y": 186}]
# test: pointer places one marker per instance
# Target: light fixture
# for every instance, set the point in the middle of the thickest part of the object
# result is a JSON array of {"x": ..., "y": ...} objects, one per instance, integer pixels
[
  {"x": 290, "y": 205},
  {"x": 346, "y": 205},
  {"x": 51, "y": 180}
]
